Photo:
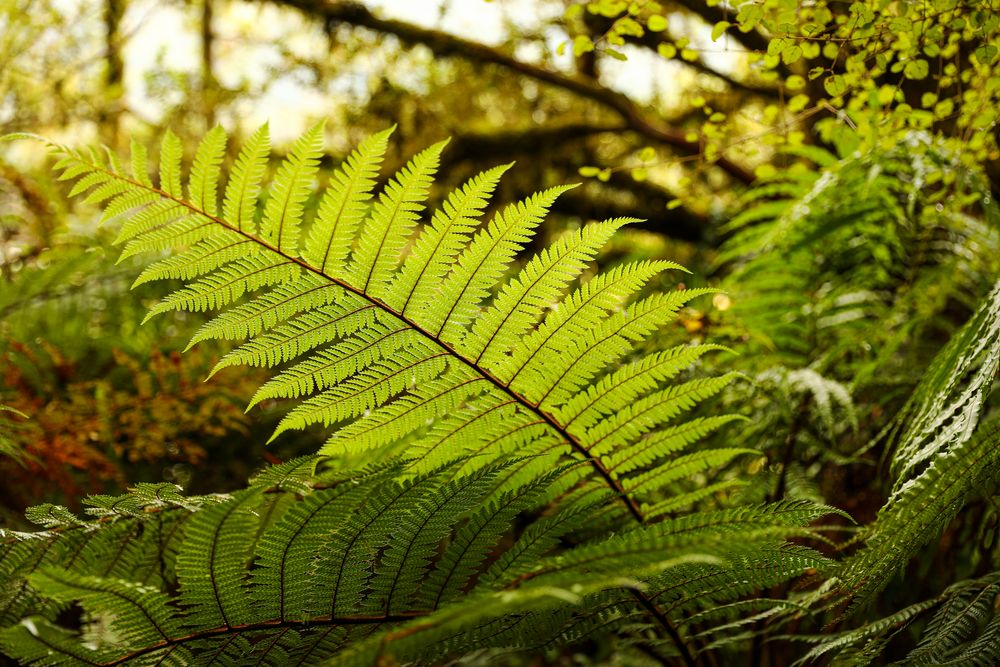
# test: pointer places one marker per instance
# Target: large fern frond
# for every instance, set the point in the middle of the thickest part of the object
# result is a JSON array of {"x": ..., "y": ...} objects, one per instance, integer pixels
[
  {"x": 387, "y": 329},
  {"x": 942, "y": 456},
  {"x": 305, "y": 566}
]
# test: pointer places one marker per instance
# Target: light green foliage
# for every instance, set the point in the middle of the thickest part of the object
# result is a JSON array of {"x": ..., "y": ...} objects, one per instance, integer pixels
[
  {"x": 429, "y": 349},
  {"x": 871, "y": 70},
  {"x": 509, "y": 419},
  {"x": 869, "y": 56}
]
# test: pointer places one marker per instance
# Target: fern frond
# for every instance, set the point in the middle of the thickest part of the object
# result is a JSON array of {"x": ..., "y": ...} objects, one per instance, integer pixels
[
  {"x": 393, "y": 218},
  {"x": 240, "y": 203},
  {"x": 138, "y": 615},
  {"x": 344, "y": 205},
  {"x": 944, "y": 455},
  {"x": 963, "y": 630},
  {"x": 440, "y": 243},
  {"x": 517, "y": 420},
  {"x": 282, "y": 219},
  {"x": 206, "y": 170},
  {"x": 381, "y": 347}
]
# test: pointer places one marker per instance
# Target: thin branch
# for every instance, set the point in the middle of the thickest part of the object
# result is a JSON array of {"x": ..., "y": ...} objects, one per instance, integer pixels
[
  {"x": 445, "y": 44},
  {"x": 652, "y": 41}
]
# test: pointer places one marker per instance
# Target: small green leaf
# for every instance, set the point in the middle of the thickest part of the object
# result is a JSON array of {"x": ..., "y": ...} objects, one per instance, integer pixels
[
  {"x": 582, "y": 44},
  {"x": 667, "y": 50},
  {"x": 795, "y": 82},
  {"x": 719, "y": 29},
  {"x": 657, "y": 23},
  {"x": 986, "y": 54},
  {"x": 835, "y": 85},
  {"x": 916, "y": 69}
]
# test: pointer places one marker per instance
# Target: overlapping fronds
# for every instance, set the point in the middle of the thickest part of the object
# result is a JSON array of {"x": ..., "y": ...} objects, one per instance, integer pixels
[
  {"x": 864, "y": 253},
  {"x": 304, "y": 566},
  {"x": 388, "y": 330},
  {"x": 944, "y": 453},
  {"x": 964, "y": 629},
  {"x": 512, "y": 417}
]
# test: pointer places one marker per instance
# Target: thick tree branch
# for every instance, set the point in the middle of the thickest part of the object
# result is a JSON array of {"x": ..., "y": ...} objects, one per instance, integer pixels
[
  {"x": 444, "y": 44},
  {"x": 519, "y": 142}
]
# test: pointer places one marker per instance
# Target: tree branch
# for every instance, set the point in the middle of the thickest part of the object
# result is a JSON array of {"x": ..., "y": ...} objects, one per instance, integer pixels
[
  {"x": 752, "y": 40},
  {"x": 444, "y": 44},
  {"x": 651, "y": 41}
]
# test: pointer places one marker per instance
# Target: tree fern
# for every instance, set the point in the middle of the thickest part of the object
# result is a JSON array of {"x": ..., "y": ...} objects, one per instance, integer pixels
[
  {"x": 529, "y": 452},
  {"x": 942, "y": 455},
  {"x": 864, "y": 239},
  {"x": 402, "y": 331},
  {"x": 962, "y": 629}
]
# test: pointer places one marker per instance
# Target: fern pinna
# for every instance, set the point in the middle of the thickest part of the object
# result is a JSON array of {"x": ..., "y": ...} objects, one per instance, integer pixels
[{"x": 478, "y": 424}]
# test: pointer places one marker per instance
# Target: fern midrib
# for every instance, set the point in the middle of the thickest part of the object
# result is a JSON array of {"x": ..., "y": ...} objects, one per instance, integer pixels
[
  {"x": 450, "y": 434},
  {"x": 423, "y": 270},
  {"x": 455, "y": 490},
  {"x": 118, "y": 554},
  {"x": 417, "y": 406},
  {"x": 211, "y": 561},
  {"x": 278, "y": 343},
  {"x": 349, "y": 547},
  {"x": 574, "y": 443},
  {"x": 664, "y": 401},
  {"x": 520, "y": 301},
  {"x": 318, "y": 370},
  {"x": 556, "y": 329},
  {"x": 385, "y": 235},
  {"x": 284, "y": 204},
  {"x": 262, "y": 626},
  {"x": 348, "y": 186}
]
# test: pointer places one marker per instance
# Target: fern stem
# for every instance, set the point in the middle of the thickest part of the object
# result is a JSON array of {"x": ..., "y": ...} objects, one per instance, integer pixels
[
  {"x": 789, "y": 454},
  {"x": 665, "y": 623},
  {"x": 574, "y": 443},
  {"x": 265, "y": 626}
]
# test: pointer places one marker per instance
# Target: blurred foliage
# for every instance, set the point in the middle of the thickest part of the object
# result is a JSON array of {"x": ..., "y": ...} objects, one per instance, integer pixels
[
  {"x": 832, "y": 167},
  {"x": 94, "y": 429}
]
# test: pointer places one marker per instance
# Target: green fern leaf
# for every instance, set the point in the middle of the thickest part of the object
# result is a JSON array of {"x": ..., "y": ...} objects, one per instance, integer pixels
[
  {"x": 285, "y": 205},
  {"x": 240, "y": 203}
]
